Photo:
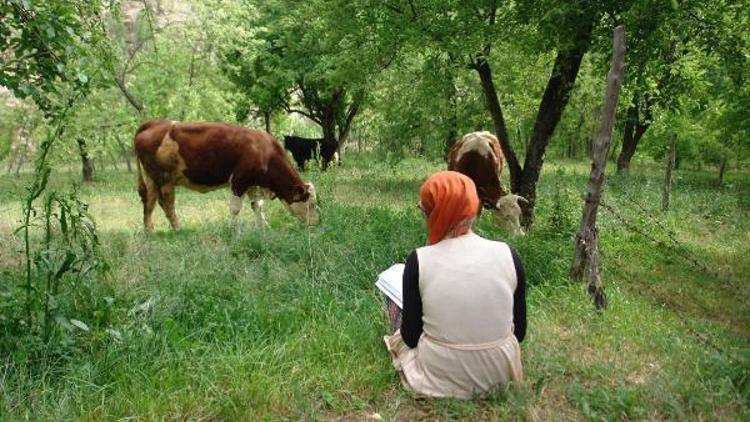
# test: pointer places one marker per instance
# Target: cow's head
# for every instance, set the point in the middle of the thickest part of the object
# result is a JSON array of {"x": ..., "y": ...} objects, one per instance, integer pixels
[
  {"x": 304, "y": 205},
  {"x": 507, "y": 213}
]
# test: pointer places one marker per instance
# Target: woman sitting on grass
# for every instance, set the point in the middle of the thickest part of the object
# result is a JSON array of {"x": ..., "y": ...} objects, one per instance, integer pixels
[{"x": 464, "y": 301}]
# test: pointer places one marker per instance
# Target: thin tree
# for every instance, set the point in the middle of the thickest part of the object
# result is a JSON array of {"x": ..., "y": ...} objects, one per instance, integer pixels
[
  {"x": 670, "y": 160},
  {"x": 586, "y": 259}
]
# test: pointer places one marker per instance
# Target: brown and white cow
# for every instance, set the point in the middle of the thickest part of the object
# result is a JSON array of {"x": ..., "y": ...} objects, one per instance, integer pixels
[
  {"x": 209, "y": 156},
  {"x": 478, "y": 155}
]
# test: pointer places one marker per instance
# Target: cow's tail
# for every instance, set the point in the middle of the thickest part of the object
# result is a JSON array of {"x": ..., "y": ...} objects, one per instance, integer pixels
[{"x": 142, "y": 189}]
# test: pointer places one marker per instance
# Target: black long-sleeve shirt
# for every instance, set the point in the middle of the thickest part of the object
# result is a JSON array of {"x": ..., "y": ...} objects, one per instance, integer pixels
[{"x": 411, "y": 315}]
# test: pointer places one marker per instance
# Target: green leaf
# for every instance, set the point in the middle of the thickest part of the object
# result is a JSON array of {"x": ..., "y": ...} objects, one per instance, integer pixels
[{"x": 79, "y": 324}]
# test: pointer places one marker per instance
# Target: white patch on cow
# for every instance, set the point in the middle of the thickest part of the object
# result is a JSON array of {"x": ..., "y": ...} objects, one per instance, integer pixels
[
  {"x": 306, "y": 211},
  {"x": 235, "y": 204},
  {"x": 256, "y": 195},
  {"x": 479, "y": 142},
  {"x": 168, "y": 153}
]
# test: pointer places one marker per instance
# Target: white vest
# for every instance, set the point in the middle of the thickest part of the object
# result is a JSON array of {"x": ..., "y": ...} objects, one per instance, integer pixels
[{"x": 467, "y": 285}]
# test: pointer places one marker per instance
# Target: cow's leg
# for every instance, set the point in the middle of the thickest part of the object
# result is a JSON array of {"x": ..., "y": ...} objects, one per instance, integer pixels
[
  {"x": 166, "y": 201},
  {"x": 236, "y": 192},
  {"x": 235, "y": 206},
  {"x": 256, "y": 197},
  {"x": 148, "y": 193}
]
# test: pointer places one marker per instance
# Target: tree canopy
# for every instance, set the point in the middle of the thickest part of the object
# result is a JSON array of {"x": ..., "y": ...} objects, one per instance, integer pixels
[{"x": 404, "y": 77}]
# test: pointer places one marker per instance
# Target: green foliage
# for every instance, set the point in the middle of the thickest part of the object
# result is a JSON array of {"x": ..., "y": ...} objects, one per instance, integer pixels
[
  {"x": 285, "y": 55},
  {"x": 41, "y": 44},
  {"x": 62, "y": 264}
]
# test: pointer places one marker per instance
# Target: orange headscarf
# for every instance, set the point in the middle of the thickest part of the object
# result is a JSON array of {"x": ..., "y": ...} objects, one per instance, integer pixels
[{"x": 448, "y": 198}]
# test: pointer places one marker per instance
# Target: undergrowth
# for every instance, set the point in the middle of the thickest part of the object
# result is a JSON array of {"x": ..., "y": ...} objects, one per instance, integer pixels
[{"x": 286, "y": 324}]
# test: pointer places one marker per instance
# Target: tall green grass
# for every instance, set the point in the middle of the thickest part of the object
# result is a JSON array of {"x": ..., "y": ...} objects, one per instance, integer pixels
[{"x": 286, "y": 324}]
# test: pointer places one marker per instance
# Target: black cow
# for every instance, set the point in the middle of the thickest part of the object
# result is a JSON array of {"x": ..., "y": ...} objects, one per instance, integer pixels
[
  {"x": 302, "y": 149},
  {"x": 328, "y": 151}
]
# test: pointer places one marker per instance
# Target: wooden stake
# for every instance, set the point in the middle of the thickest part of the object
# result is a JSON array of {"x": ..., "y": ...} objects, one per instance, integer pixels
[{"x": 586, "y": 259}]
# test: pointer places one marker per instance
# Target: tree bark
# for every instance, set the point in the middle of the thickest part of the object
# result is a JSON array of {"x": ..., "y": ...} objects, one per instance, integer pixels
[
  {"x": 635, "y": 128},
  {"x": 668, "y": 174},
  {"x": 556, "y": 96},
  {"x": 586, "y": 257},
  {"x": 346, "y": 127},
  {"x": 628, "y": 143},
  {"x": 723, "y": 167},
  {"x": 267, "y": 120},
  {"x": 12, "y": 157},
  {"x": 137, "y": 105},
  {"x": 124, "y": 152},
  {"x": 87, "y": 168},
  {"x": 21, "y": 159},
  {"x": 482, "y": 66},
  {"x": 452, "y": 133},
  {"x": 328, "y": 125}
]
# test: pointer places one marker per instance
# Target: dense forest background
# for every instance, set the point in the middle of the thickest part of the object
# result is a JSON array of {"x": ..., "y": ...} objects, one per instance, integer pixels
[{"x": 401, "y": 78}]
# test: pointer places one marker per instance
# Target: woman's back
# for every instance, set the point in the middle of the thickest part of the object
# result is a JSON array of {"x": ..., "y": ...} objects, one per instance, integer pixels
[{"x": 467, "y": 285}]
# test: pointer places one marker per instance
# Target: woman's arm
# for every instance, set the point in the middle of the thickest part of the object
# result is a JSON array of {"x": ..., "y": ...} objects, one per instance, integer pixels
[
  {"x": 519, "y": 299},
  {"x": 411, "y": 315}
]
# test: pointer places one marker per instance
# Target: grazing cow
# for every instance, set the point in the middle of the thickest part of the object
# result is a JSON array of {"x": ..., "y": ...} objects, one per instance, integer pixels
[
  {"x": 302, "y": 149},
  {"x": 329, "y": 152},
  {"x": 478, "y": 155},
  {"x": 208, "y": 156}
]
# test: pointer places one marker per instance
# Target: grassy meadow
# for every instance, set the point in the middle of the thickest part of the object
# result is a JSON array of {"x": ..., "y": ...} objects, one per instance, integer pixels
[{"x": 285, "y": 323}]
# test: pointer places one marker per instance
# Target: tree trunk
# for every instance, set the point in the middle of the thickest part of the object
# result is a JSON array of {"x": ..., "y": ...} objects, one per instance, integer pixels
[
  {"x": 346, "y": 127},
  {"x": 556, "y": 96},
  {"x": 328, "y": 123},
  {"x": 359, "y": 143},
  {"x": 137, "y": 105},
  {"x": 329, "y": 127},
  {"x": 635, "y": 128},
  {"x": 127, "y": 162},
  {"x": 113, "y": 160},
  {"x": 22, "y": 154},
  {"x": 628, "y": 140},
  {"x": 586, "y": 258},
  {"x": 722, "y": 168},
  {"x": 452, "y": 132},
  {"x": 267, "y": 120},
  {"x": 482, "y": 66},
  {"x": 668, "y": 174},
  {"x": 87, "y": 168},
  {"x": 12, "y": 158},
  {"x": 21, "y": 159},
  {"x": 125, "y": 152}
]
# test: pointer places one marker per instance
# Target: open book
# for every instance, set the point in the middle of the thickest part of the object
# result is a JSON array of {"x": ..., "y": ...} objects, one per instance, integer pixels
[{"x": 390, "y": 283}]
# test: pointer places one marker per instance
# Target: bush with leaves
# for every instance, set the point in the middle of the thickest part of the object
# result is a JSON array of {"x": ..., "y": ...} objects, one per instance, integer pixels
[{"x": 61, "y": 267}]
